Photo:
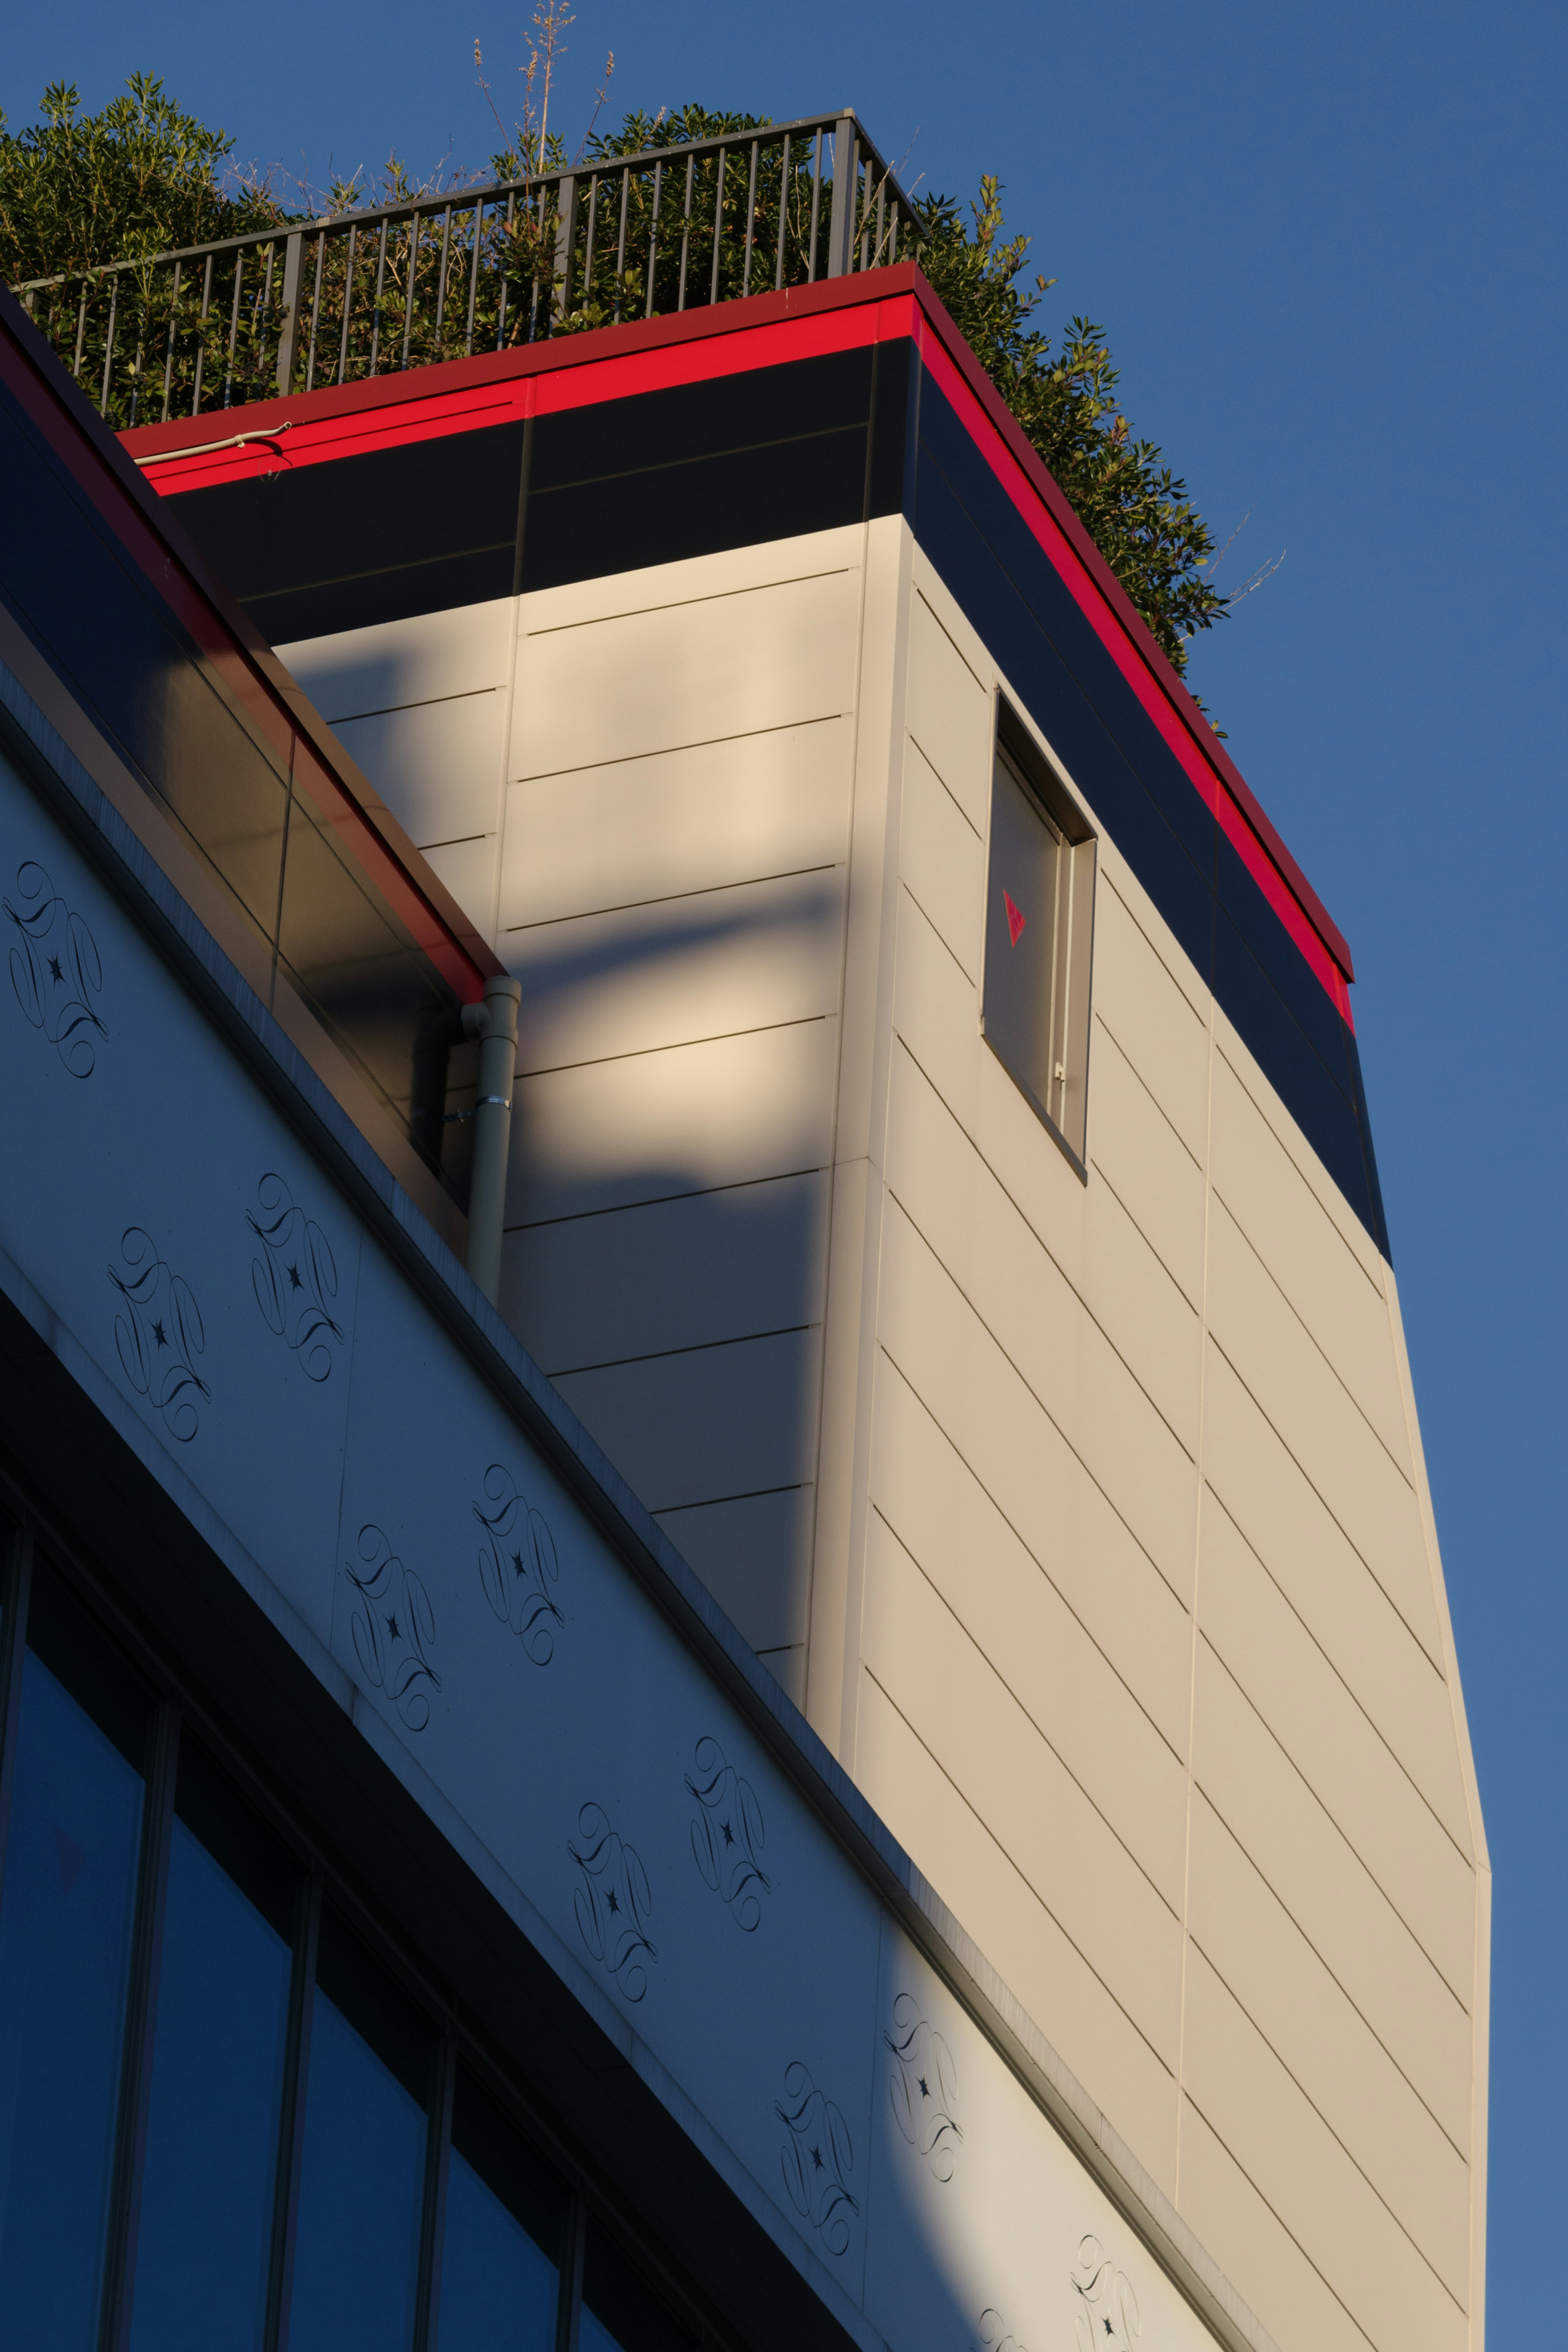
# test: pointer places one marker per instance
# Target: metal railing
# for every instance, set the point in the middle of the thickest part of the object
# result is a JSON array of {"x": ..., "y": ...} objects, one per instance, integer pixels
[{"x": 339, "y": 300}]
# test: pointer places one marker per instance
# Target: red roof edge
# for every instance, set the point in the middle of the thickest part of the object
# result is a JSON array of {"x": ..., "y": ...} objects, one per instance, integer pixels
[
  {"x": 1136, "y": 627},
  {"x": 157, "y": 542}
]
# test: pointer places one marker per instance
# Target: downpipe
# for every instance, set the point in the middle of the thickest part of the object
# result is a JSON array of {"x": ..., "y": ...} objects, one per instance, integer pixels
[{"x": 493, "y": 1026}]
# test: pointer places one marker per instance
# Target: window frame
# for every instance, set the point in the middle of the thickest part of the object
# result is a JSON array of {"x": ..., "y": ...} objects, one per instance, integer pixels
[
  {"x": 30, "y": 1544},
  {"x": 1017, "y": 753}
]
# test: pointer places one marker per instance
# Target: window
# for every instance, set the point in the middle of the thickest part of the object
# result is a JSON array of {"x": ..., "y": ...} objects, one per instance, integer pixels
[
  {"x": 226, "y": 2114},
  {"x": 1040, "y": 920}
]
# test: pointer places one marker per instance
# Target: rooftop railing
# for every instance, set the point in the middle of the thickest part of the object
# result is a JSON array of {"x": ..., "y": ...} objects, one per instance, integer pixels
[{"x": 340, "y": 299}]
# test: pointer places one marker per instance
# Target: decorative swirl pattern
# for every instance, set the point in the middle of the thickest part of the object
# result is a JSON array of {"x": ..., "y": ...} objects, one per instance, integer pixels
[
  {"x": 817, "y": 2158},
  {"x": 55, "y": 970},
  {"x": 159, "y": 1335},
  {"x": 613, "y": 1902},
  {"x": 924, "y": 2087},
  {"x": 727, "y": 1835},
  {"x": 995, "y": 2335},
  {"x": 394, "y": 1628},
  {"x": 517, "y": 1565},
  {"x": 294, "y": 1277},
  {"x": 1108, "y": 2318}
]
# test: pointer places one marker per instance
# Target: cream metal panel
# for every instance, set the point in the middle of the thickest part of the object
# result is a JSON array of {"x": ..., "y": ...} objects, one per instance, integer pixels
[
  {"x": 1319, "y": 1183},
  {"x": 678, "y": 970},
  {"x": 675, "y": 822},
  {"x": 1332, "y": 1897},
  {"x": 427, "y": 658},
  {"x": 468, "y": 870},
  {"x": 1151, "y": 1018},
  {"x": 1044, "y": 1328},
  {"x": 1137, "y": 1151},
  {"x": 438, "y": 765},
  {"x": 1332, "y": 1592},
  {"x": 954, "y": 1848},
  {"x": 1003, "y": 1434},
  {"x": 1235, "y": 2081},
  {"x": 1000, "y": 1594},
  {"x": 687, "y": 1119},
  {"x": 669, "y": 1273},
  {"x": 962, "y": 1712},
  {"x": 943, "y": 863},
  {"x": 1325, "y": 1432},
  {"x": 1255, "y": 2248},
  {"x": 731, "y": 659},
  {"x": 950, "y": 714},
  {"x": 1273, "y": 1974},
  {"x": 1334, "y": 1746},
  {"x": 1304, "y": 1249}
]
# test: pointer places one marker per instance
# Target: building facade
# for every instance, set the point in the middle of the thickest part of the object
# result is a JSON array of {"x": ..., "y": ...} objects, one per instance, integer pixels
[{"x": 878, "y": 1754}]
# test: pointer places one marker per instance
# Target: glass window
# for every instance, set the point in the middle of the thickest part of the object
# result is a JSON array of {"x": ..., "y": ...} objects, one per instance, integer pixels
[
  {"x": 619, "y": 2312},
  {"x": 66, "y": 1930},
  {"x": 216, "y": 2101},
  {"x": 1038, "y": 921},
  {"x": 504, "y": 2215},
  {"x": 361, "y": 2189}
]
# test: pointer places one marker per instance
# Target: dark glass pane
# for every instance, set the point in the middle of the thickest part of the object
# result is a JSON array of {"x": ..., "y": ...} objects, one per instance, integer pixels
[
  {"x": 65, "y": 1927},
  {"x": 619, "y": 2312},
  {"x": 366, "y": 978},
  {"x": 504, "y": 2212},
  {"x": 1021, "y": 935},
  {"x": 356, "y": 2262},
  {"x": 217, "y": 2076}
]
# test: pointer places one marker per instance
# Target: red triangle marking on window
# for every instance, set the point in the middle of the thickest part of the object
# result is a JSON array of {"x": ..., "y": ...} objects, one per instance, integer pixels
[{"x": 1015, "y": 920}]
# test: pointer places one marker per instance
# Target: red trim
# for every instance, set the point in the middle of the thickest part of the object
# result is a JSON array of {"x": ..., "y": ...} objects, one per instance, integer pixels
[
  {"x": 766, "y": 331},
  {"x": 252, "y": 674}
]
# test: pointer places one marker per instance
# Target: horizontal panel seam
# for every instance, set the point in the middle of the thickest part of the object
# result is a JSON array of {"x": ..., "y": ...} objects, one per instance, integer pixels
[
  {"x": 685, "y": 603},
  {"x": 676, "y": 1046},
  {"x": 670, "y": 750},
  {"x": 663, "y": 1200},
  {"x": 693, "y": 1347},
  {"x": 669, "y": 897}
]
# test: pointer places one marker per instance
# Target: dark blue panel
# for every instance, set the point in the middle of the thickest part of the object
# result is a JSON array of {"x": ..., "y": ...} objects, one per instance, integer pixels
[
  {"x": 969, "y": 565},
  {"x": 1315, "y": 1101},
  {"x": 1067, "y": 625},
  {"x": 1379, "y": 1226},
  {"x": 1309, "y": 1001}
]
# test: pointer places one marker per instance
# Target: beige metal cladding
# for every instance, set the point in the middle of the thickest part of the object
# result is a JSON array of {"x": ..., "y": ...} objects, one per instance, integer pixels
[
  {"x": 1083, "y": 1505},
  {"x": 1127, "y": 1608}
]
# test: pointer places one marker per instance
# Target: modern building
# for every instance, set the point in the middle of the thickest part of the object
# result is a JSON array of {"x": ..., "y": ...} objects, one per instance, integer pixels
[{"x": 872, "y": 1754}]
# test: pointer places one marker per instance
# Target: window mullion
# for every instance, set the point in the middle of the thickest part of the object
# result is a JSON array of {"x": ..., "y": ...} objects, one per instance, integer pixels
[
  {"x": 140, "y": 2025},
  {"x": 569, "y": 2306},
  {"x": 434, "y": 2232},
  {"x": 291, "y": 2133},
  {"x": 16, "y": 1579}
]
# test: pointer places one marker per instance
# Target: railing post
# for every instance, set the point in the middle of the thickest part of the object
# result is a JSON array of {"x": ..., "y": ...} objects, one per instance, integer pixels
[
  {"x": 565, "y": 245},
  {"x": 842, "y": 223},
  {"x": 288, "y": 333}
]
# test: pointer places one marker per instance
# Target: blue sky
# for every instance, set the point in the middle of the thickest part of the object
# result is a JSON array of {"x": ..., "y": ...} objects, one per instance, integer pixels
[{"x": 1327, "y": 243}]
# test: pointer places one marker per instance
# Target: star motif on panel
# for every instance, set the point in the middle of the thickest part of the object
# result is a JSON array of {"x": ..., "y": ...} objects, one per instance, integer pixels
[
  {"x": 295, "y": 1283},
  {"x": 160, "y": 1333},
  {"x": 817, "y": 2159},
  {"x": 925, "y": 2087},
  {"x": 728, "y": 1833},
  {"x": 394, "y": 1628},
  {"x": 55, "y": 972}
]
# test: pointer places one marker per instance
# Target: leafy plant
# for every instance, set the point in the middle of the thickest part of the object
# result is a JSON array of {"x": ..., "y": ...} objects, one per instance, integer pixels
[{"x": 140, "y": 177}]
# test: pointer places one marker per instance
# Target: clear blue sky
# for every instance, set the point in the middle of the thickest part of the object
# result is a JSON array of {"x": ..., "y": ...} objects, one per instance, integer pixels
[{"x": 1327, "y": 242}]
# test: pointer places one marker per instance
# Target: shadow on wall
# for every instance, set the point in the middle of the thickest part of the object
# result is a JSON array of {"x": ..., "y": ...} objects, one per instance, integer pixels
[{"x": 666, "y": 1256}]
